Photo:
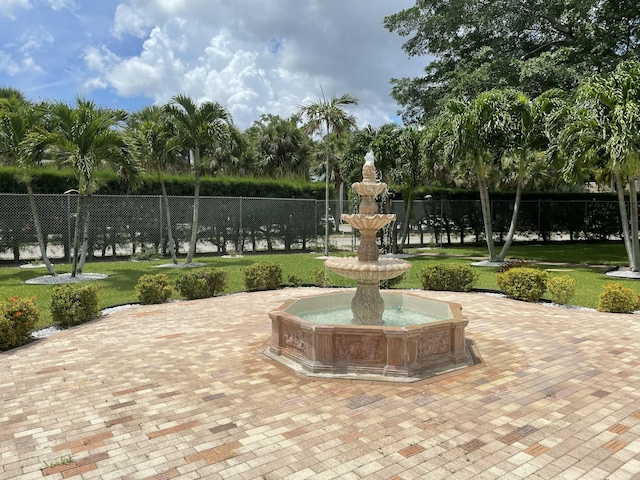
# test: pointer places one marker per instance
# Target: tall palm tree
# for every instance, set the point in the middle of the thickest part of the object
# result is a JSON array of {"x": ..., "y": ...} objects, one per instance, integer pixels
[
  {"x": 154, "y": 144},
  {"x": 85, "y": 137},
  {"x": 200, "y": 129},
  {"x": 329, "y": 116},
  {"x": 603, "y": 131},
  {"x": 458, "y": 138},
  {"x": 19, "y": 119}
]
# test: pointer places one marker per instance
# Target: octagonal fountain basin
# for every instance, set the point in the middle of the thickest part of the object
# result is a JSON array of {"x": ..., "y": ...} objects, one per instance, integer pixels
[{"x": 420, "y": 338}]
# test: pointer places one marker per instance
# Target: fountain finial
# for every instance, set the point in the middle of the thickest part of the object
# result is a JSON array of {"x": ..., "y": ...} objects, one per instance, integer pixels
[{"x": 369, "y": 168}]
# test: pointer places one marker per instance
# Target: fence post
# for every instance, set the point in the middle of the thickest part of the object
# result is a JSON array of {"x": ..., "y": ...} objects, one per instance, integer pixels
[
  {"x": 161, "y": 244},
  {"x": 241, "y": 231}
]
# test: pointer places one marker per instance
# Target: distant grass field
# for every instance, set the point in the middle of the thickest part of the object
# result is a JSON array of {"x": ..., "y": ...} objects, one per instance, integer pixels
[{"x": 118, "y": 287}]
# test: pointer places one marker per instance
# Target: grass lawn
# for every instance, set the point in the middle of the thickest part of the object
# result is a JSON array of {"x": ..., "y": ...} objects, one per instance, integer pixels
[{"x": 118, "y": 288}]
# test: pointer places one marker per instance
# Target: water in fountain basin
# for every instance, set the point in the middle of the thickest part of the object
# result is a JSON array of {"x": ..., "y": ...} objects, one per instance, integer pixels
[{"x": 396, "y": 316}]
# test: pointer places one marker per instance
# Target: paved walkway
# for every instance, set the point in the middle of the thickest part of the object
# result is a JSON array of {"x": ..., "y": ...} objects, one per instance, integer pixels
[{"x": 182, "y": 391}]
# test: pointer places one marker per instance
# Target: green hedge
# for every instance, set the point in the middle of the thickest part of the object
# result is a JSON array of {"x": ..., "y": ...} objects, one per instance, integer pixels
[{"x": 50, "y": 180}]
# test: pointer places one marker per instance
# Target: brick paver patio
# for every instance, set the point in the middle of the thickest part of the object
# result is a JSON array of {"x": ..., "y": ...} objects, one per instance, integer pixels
[{"x": 182, "y": 391}]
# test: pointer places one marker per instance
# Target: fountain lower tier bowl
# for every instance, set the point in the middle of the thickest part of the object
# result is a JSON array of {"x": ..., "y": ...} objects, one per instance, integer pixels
[
  {"x": 381, "y": 269},
  {"x": 378, "y": 352}
]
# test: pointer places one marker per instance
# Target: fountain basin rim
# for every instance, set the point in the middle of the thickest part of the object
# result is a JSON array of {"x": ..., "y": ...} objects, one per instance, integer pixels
[{"x": 454, "y": 312}]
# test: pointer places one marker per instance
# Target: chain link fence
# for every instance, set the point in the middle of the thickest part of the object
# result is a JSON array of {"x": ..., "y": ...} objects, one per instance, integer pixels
[{"x": 129, "y": 225}]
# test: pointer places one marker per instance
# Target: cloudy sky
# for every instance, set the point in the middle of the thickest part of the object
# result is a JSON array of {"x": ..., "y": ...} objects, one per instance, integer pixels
[{"x": 253, "y": 56}]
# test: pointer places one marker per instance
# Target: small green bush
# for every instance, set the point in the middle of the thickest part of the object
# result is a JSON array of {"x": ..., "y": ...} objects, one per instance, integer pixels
[
  {"x": 523, "y": 283},
  {"x": 453, "y": 277},
  {"x": 74, "y": 304},
  {"x": 262, "y": 276},
  {"x": 616, "y": 298},
  {"x": 17, "y": 319},
  {"x": 152, "y": 289},
  {"x": 295, "y": 280},
  {"x": 561, "y": 289},
  {"x": 203, "y": 283},
  {"x": 320, "y": 277}
]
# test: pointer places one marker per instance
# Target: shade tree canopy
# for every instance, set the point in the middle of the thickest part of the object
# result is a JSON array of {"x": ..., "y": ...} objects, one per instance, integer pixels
[{"x": 533, "y": 45}]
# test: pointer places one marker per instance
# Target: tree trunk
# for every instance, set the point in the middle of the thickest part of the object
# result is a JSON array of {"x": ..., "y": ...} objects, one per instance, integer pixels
[
  {"x": 165, "y": 200},
  {"x": 196, "y": 207},
  {"x": 514, "y": 221},
  {"x": 76, "y": 236},
  {"x": 624, "y": 219},
  {"x": 486, "y": 216},
  {"x": 38, "y": 227},
  {"x": 407, "y": 219},
  {"x": 85, "y": 235}
]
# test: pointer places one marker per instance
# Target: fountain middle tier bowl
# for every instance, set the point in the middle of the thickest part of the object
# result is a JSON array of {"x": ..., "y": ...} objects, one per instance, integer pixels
[
  {"x": 411, "y": 350},
  {"x": 381, "y": 269},
  {"x": 368, "y": 222}
]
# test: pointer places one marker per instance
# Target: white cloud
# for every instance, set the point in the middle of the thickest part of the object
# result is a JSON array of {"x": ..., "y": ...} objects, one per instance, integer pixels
[
  {"x": 256, "y": 57},
  {"x": 8, "y": 7},
  {"x": 8, "y": 64},
  {"x": 58, "y": 5}
]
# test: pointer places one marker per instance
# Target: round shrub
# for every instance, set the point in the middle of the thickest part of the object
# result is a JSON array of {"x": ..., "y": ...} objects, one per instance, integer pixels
[
  {"x": 561, "y": 289},
  {"x": 523, "y": 283},
  {"x": 203, "y": 283},
  {"x": 452, "y": 277},
  {"x": 74, "y": 304},
  {"x": 616, "y": 298},
  {"x": 17, "y": 318},
  {"x": 262, "y": 276},
  {"x": 152, "y": 289}
]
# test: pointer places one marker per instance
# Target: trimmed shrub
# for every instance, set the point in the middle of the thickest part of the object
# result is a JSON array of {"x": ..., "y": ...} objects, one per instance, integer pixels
[
  {"x": 74, "y": 304},
  {"x": 262, "y": 276},
  {"x": 17, "y": 319},
  {"x": 320, "y": 277},
  {"x": 295, "y": 280},
  {"x": 523, "y": 283},
  {"x": 203, "y": 283},
  {"x": 616, "y": 298},
  {"x": 561, "y": 289},
  {"x": 453, "y": 277},
  {"x": 152, "y": 289}
]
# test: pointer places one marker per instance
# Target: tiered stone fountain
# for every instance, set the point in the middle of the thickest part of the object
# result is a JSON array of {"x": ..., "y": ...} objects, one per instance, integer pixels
[
  {"x": 367, "y": 269},
  {"x": 384, "y": 336}
]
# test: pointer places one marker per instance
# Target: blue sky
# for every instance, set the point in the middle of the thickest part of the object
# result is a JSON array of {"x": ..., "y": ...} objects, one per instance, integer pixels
[{"x": 253, "y": 56}]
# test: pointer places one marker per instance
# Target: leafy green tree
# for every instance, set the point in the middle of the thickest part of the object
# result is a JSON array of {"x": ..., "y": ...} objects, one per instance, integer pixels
[
  {"x": 19, "y": 119},
  {"x": 85, "y": 137},
  {"x": 154, "y": 144},
  {"x": 282, "y": 148},
  {"x": 329, "y": 117},
  {"x": 200, "y": 129},
  {"x": 534, "y": 46},
  {"x": 602, "y": 130}
]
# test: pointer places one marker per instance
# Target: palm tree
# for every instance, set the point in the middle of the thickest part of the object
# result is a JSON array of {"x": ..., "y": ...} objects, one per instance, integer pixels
[
  {"x": 409, "y": 173},
  {"x": 282, "y": 148},
  {"x": 200, "y": 129},
  {"x": 498, "y": 132},
  {"x": 85, "y": 137},
  {"x": 458, "y": 138},
  {"x": 154, "y": 144},
  {"x": 19, "y": 119},
  {"x": 603, "y": 131},
  {"x": 328, "y": 116}
]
